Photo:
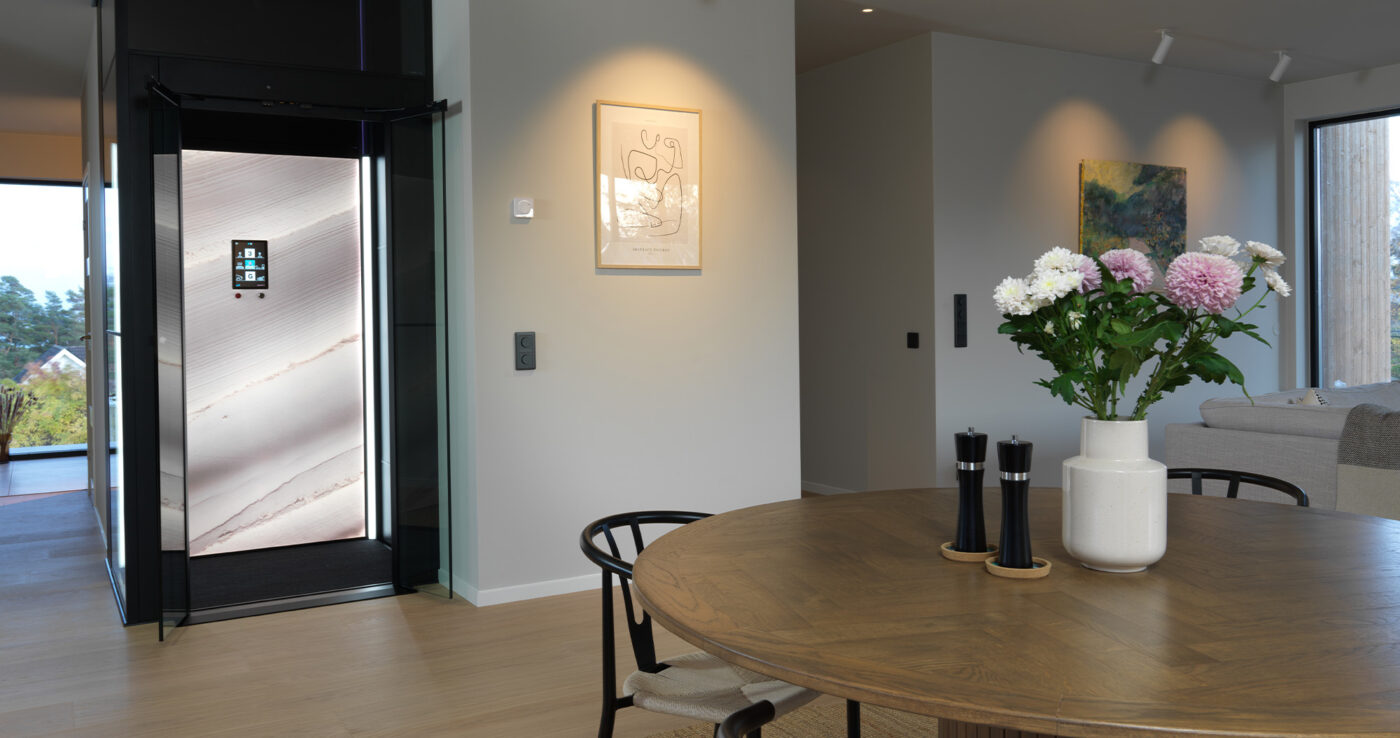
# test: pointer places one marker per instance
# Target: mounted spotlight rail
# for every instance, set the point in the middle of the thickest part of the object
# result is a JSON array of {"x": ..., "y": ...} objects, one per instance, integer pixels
[
  {"x": 1282, "y": 66},
  {"x": 1163, "y": 46}
]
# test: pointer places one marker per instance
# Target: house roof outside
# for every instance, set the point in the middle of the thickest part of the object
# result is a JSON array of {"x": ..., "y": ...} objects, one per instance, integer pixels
[{"x": 57, "y": 358}]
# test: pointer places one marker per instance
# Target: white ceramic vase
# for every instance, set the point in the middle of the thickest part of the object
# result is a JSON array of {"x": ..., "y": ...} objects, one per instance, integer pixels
[{"x": 1115, "y": 498}]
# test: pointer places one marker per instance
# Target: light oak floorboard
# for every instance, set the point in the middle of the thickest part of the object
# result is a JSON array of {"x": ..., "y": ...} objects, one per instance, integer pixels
[{"x": 409, "y": 665}]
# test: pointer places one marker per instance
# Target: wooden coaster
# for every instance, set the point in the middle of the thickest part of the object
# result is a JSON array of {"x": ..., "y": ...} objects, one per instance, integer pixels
[
  {"x": 1040, "y": 568},
  {"x": 966, "y": 556}
]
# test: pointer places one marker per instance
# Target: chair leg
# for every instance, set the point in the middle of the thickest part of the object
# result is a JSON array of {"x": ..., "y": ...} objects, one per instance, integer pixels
[
  {"x": 605, "y": 725},
  {"x": 852, "y": 719}
]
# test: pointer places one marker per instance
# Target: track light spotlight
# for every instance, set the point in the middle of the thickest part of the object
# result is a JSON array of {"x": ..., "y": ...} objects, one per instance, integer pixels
[
  {"x": 1280, "y": 67},
  {"x": 1160, "y": 55}
]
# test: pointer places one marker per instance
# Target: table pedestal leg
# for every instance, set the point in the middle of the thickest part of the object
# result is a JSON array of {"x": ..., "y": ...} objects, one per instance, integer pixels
[{"x": 958, "y": 729}]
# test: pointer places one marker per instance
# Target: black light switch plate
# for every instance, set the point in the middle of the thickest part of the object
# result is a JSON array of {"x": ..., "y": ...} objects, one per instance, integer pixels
[
  {"x": 959, "y": 321},
  {"x": 911, "y": 339}
]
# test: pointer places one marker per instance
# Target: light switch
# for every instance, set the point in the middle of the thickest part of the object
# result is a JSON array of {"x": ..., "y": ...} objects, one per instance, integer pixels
[{"x": 525, "y": 350}]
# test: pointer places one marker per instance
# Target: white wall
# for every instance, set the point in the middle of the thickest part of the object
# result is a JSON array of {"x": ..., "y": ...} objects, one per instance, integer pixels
[
  {"x": 1010, "y": 126},
  {"x": 1303, "y": 102},
  {"x": 654, "y": 390},
  {"x": 866, "y": 230}
]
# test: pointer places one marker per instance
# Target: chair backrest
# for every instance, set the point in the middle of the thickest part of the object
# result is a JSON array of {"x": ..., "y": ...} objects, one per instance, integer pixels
[
  {"x": 612, "y": 563},
  {"x": 1235, "y": 478}
]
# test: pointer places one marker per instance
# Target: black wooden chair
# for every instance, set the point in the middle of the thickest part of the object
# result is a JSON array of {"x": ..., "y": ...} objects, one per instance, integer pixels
[
  {"x": 695, "y": 685},
  {"x": 1235, "y": 478}
]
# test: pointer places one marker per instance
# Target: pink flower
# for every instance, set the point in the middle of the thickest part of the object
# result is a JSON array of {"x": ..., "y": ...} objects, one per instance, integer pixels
[
  {"x": 1129, "y": 264},
  {"x": 1092, "y": 279},
  {"x": 1210, "y": 282}
]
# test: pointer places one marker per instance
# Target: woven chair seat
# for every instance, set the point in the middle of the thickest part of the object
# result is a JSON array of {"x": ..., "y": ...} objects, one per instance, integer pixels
[{"x": 702, "y": 687}]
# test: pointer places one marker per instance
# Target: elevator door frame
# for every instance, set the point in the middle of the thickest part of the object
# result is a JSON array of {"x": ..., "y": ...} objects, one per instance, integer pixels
[{"x": 382, "y": 388}]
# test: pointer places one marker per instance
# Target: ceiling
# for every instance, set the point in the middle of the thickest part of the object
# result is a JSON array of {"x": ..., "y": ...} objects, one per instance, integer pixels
[
  {"x": 1232, "y": 37},
  {"x": 43, "y": 43}
]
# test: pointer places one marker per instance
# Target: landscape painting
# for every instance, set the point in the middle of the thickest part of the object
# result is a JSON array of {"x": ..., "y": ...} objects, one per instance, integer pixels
[{"x": 1134, "y": 206}]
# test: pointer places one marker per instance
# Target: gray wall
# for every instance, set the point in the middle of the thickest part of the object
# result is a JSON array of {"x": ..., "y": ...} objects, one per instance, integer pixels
[
  {"x": 654, "y": 390},
  {"x": 865, "y": 224},
  {"x": 1009, "y": 126}
]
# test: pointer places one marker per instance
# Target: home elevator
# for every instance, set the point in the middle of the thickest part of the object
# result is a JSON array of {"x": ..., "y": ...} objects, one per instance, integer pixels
[{"x": 276, "y": 347}]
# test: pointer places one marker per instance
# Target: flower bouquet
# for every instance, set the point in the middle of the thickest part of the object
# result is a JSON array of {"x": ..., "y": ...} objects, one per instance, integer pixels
[{"x": 1097, "y": 323}]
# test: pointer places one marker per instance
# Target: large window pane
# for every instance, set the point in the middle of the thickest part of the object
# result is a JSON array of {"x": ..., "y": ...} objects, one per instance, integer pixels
[
  {"x": 42, "y": 311},
  {"x": 1357, "y": 231}
]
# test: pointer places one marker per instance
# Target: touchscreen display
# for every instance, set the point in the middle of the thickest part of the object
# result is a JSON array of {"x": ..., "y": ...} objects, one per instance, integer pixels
[{"x": 250, "y": 265}]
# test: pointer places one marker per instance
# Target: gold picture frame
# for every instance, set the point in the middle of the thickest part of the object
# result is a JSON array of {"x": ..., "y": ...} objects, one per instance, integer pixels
[{"x": 646, "y": 161}]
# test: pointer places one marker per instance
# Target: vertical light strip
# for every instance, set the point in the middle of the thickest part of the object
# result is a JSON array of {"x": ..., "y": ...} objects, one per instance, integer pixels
[
  {"x": 110, "y": 201},
  {"x": 367, "y": 347},
  {"x": 386, "y": 398}
]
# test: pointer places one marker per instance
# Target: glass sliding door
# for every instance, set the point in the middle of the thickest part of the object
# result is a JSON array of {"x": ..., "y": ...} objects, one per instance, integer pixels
[
  {"x": 170, "y": 362},
  {"x": 417, "y": 382},
  {"x": 1356, "y": 250}
]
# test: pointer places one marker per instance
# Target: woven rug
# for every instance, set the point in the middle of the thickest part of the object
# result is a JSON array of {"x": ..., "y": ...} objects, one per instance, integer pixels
[{"x": 828, "y": 720}]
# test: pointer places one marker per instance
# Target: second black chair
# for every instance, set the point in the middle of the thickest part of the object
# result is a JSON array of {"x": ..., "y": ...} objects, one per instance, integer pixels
[{"x": 1235, "y": 478}]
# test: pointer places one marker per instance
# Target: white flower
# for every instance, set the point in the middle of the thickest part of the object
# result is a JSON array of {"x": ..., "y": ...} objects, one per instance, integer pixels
[
  {"x": 1052, "y": 284},
  {"x": 1050, "y": 328},
  {"x": 1057, "y": 259},
  {"x": 1013, "y": 297},
  {"x": 1222, "y": 245},
  {"x": 1272, "y": 257},
  {"x": 1276, "y": 282},
  {"x": 1075, "y": 319}
]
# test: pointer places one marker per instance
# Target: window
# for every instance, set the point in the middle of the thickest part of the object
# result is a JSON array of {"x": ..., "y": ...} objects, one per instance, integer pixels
[
  {"x": 1356, "y": 250},
  {"x": 42, "y": 310}
]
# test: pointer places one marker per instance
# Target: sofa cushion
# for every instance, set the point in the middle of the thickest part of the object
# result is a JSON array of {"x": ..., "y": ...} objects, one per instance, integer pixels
[
  {"x": 1283, "y": 412},
  {"x": 1385, "y": 394}
]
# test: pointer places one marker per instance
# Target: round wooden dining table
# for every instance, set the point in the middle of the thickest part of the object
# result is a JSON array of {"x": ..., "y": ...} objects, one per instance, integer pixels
[{"x": 1262, "y": 619}]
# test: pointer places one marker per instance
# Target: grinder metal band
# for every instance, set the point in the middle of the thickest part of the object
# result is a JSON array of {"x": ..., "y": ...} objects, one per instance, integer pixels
[
  {"x": 971, "y": 466},
  {"x": 1015, "y": 476}
]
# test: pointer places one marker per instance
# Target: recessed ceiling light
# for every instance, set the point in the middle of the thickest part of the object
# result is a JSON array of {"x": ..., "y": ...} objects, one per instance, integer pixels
[{"x": 867, "y": 10}]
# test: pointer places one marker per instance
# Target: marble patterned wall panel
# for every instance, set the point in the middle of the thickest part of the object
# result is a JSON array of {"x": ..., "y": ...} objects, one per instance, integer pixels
[{"x": 274, "y": 390}]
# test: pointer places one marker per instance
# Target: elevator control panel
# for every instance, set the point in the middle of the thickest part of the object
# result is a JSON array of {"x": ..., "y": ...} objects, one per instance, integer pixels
[{"x": 250, "y": 265}]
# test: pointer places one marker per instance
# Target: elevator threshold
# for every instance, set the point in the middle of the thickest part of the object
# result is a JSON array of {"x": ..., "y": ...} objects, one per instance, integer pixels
[
  {"x": 232, "y": 585},
  {"x": 285, "y": 604}
]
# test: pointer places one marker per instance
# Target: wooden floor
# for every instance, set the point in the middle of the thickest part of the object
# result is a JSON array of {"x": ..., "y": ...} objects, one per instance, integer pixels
[
  {"x": 42, "y": 476},
  {"x": 409, "y": 665}
]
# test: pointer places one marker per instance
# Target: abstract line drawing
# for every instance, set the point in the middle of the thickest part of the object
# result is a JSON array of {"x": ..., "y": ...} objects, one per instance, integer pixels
[
  {"x": 648, "y": 173},
  {"x": 657, "y": 209}
]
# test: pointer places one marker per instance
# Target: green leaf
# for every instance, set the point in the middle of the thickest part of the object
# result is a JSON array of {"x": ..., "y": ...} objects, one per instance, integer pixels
[{"x": 1063, "y": 387}]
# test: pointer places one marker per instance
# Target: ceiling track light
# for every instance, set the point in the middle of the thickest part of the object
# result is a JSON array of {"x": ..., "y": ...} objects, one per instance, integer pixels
[
  {"x": 1160, "y": 55},
  {"x": 1282, "y": 66}
]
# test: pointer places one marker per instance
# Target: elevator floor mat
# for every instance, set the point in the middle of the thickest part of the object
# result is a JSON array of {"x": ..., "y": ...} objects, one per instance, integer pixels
[{"x": 274, "y": 573}]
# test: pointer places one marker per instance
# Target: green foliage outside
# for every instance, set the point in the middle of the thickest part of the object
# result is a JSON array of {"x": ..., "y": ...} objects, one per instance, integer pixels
[
  {"x": 58, "y": 415},
  {"x": 28, "y": 328}
]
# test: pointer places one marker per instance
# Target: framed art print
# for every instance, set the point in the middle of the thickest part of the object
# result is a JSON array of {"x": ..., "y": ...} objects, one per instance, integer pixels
[
  {"x": 1123, "y": 205},
  {"x": 647, "y": 161}
]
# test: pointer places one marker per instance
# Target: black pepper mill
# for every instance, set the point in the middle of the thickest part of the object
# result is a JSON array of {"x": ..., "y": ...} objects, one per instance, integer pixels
[
  {"x": 1014, "y": 457},
  {"x": 972, "y": 527}
]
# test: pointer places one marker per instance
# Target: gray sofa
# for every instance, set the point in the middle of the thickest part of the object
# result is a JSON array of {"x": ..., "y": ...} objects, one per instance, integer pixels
[{"x": 1281, "y": 436}]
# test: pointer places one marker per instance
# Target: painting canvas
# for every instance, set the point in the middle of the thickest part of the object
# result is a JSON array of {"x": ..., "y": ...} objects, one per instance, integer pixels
[
  {"x": 1133, "y": 206},
  {"x": 648, "y": 176}
]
